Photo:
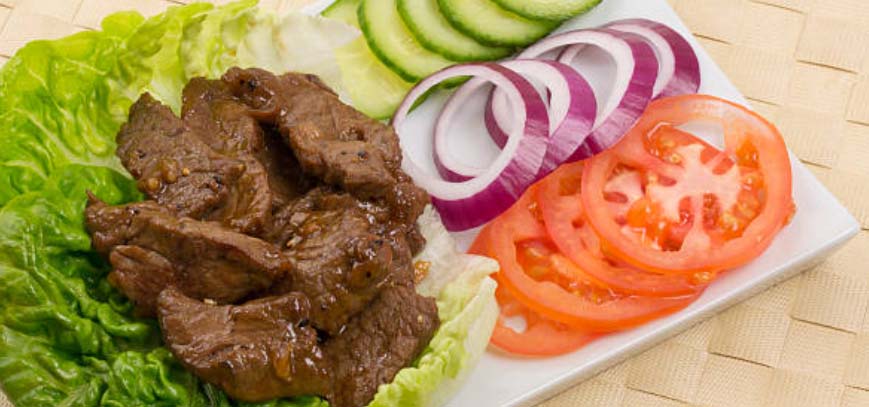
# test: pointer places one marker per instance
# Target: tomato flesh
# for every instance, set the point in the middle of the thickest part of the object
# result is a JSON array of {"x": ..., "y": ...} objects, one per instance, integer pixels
[
  {"x": 665, "y": 201},
  {"x": 586, "y": 306},
  {"x": 541, "y": 337},
  {"x": 563, "y": 215}
]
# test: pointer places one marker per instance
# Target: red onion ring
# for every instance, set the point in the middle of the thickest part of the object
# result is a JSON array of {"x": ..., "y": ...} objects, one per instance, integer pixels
[
  {"x": 473, "y": 202},
  {"x": 636, "y": 72},
  {"x": 572, "y": 110},
  {"x": 679, "y": 72}
]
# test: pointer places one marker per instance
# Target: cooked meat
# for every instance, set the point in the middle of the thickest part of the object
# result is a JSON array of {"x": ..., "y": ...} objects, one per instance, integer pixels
[
  {"x": 331, "y": 140},
  {"x": 338, "y": 259},
  {"x": 286, "y": 178},
  {"x": 258, "y": 351},
  {"x": 265, "y": 349},
  {"x": 222, "y": 121},
  {"x": 270, "y": 190},
  {"x": 295, "y": 99},
  {"x": 175, "y": 167},
  {"x": 378, "y": 343},
  {"x": 151, "y": 249},
  {"x": 350, "y": 164}
]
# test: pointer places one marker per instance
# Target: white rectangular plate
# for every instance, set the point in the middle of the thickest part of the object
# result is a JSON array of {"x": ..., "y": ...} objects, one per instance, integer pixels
[{"x": 820, "y": 226}]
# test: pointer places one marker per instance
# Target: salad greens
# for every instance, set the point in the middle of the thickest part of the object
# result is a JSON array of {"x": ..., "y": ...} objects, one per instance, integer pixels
[{"x": 67, "y": 338}]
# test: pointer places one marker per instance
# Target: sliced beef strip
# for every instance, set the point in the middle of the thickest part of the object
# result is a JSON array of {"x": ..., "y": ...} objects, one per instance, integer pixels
[
  {"x": 221, "y": 120},
  {"x": 292, "y": 99},
  {"x": 286, "y": 178},
  {"x": 265, "y": 349},
  {"x": 151, "y": 248},
  {"x": 386, "y": 337},
  {"x": 176, "y": 167},
  {"x": 331, "y": 140},
  {"x": 171, "y": 164},
  {"x": 350, "y": 164},
  {"x": 226, "y": 124},
  {"x": 338, "y": 259},
  {"x": 258, "y": 351}
]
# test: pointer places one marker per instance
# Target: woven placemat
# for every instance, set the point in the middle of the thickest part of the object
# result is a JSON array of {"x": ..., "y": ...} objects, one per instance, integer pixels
[{"x": 805, "y": 65}]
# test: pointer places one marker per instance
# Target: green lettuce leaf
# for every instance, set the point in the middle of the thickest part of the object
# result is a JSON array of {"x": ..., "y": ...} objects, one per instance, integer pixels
[
  {"x": 296, "y": 42},
  {"x": 210, "y": 47},
  {"x": 67, "y": 338}
]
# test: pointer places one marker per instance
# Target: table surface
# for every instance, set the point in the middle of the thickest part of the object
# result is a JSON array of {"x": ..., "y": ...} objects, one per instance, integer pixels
[{"x": 804, "y": 64}]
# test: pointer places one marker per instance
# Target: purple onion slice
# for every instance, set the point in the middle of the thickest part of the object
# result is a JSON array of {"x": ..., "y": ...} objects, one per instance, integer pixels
[
  {"x": 473, "y": 202},
  {"x": 635, "y": 76}
]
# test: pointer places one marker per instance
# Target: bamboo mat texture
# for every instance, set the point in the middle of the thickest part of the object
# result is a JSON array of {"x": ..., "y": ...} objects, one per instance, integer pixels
[{"x": 804, "y": 64}]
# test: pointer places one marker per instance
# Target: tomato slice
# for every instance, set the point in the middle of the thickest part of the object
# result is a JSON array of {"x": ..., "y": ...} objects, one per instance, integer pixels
[
  {"x": 541, "y": 337},
  {"x": 665, "y": 201},
  {"x": 518, "y": 241},
  {"x": 561, "y": 206}
]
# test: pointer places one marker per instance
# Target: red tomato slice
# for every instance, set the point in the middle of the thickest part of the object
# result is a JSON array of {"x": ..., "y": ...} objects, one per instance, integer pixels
[
  {"x": 665, "y": 201},
  {"x": 518, "y": 241},
  {"x": 541, "y": 337},
  {"x": 561, "y": 207}
]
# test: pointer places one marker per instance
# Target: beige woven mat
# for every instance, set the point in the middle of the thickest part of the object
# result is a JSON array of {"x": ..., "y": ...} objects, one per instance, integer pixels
[{"x": 805, "y": 65}]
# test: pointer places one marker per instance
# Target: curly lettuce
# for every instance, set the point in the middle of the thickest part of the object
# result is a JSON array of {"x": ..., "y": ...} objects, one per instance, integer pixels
[{"x": 67, "y": 338}]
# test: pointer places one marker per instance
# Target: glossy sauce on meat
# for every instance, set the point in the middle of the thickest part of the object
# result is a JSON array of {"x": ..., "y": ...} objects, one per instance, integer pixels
[{"x": 276, "y": 246}]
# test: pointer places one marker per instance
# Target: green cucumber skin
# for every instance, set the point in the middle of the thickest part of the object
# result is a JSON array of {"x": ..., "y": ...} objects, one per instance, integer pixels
[
  {"x": 364, "y": 26},
  {"x": 529, "y": 11},
  {"x": 378, "y": 106},
  {"x": 396, "y": 65},
  {"x": 470, "y": 29},
  {"x": 492, "y": 53}
]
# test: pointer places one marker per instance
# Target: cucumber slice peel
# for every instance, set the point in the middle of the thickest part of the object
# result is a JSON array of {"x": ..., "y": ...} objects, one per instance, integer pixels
[
  {"x": 490, "y": 24},
  {"x": 393, "y": 42},
  {"x": 553, "y": 10},
  {"x": 429, "y": 26},
  {"x": 373, "y": 88}
]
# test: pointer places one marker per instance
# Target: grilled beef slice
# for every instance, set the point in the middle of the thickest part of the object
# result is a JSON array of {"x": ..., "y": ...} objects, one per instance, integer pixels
[
  {"x": 151, "y": 249},
  {"x": 258, "y": 351},
  {"x": 331, "y": 140},
  {"x": 265, "y": 349},
  {"x": 226, "y": 124},
  {"x": 338, "y": 259},
  {"x": 176, "y": 168},
  {"x": 379, "y": 342}
]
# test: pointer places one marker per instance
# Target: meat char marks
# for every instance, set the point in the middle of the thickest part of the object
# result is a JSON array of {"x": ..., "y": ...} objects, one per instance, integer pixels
[{"x": 276, "y": 244}]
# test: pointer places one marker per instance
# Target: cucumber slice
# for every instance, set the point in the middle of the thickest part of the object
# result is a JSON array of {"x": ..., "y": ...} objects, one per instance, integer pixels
[
  {"x": 344, "y": 11},
  {"x": 490, "y": 24},
  {"x": 433, "y": 31},
  {"x": 394, "y": 44},
  {"x": 553, "y": 10},
  {"x": 372, "y": 87}
]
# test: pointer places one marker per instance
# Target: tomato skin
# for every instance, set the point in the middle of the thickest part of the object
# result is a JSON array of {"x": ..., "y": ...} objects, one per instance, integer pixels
[
  {"x": 552, "y": 301},
  {"x": 754, "y": 142},
  {"x": 541, "y": 337},
  {"x": 559, "y": 197}
]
